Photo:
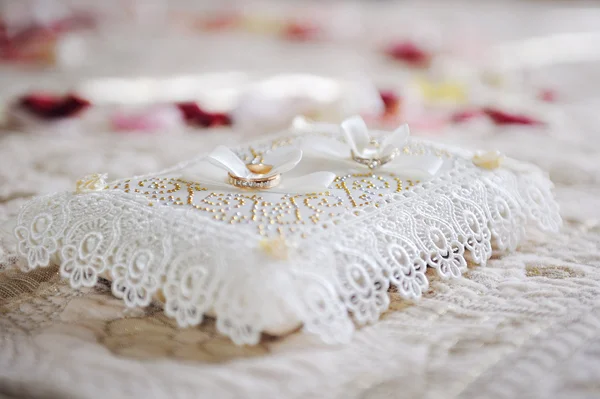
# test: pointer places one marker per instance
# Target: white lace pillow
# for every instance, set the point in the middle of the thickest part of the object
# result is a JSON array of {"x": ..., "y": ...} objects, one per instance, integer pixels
[{"x": 271, "y": 261}]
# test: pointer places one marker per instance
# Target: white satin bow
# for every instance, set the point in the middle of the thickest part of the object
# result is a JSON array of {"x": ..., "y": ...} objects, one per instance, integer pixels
[
  {"x": 222, "y": 161},
  {"x": 359, "y": 142}
]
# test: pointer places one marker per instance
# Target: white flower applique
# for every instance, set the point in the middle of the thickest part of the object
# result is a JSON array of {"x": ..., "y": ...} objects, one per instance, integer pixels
[
  {"x": 225, "y": 168},
  {"x": 488, "y": 160},
  {"x": 136, "y": 272},
  {"x": 35, "y": 242},
  {"x": 81, "y": 262},
  {"x": 362, "y": 150},
  {"x": 90, "y": 183}
]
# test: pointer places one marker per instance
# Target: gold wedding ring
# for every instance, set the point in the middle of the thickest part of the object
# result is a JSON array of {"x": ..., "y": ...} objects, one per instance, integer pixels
[{"x": 256, "y": 182}]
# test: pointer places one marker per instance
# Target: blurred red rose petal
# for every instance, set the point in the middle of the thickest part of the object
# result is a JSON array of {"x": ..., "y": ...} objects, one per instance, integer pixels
[
  {"x": 465, "y": 116},
  {"x": 30, "y": 44},
  {"x": 391, "y": 103},
  {"x": 548, "y": 95},
  {"x": 36, "y": 42},
  {"x": 220, "y": 22},
  {"x": 48, "y": 106},
  {"x": 505, "y": 118},
  {"x": 74, "y": 22},
  {"x": 194, "y": 115},
  {"x": 409, "y": 53},
  {"x": 301, "y": 31}
]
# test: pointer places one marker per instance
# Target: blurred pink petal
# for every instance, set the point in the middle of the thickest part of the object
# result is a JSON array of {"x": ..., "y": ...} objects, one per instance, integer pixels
[
  {"x": 466, "y": 115},
  {"x": 418, "y": 125},
  {"x": 35, "y": 42},
  {"x": 73, "y": 22},
  {"x": 28, "y": 45},
  {"x": 427, "y": 125},
  {"x": 301, "y": 31},
  {"x": 220, "y": 22},
  {"x": 147, "y": 120},
  {"x": 548, "y": 95}
]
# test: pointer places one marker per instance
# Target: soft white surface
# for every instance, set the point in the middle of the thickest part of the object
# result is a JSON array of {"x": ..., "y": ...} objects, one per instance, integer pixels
[{"x": 525, "y": 326}]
